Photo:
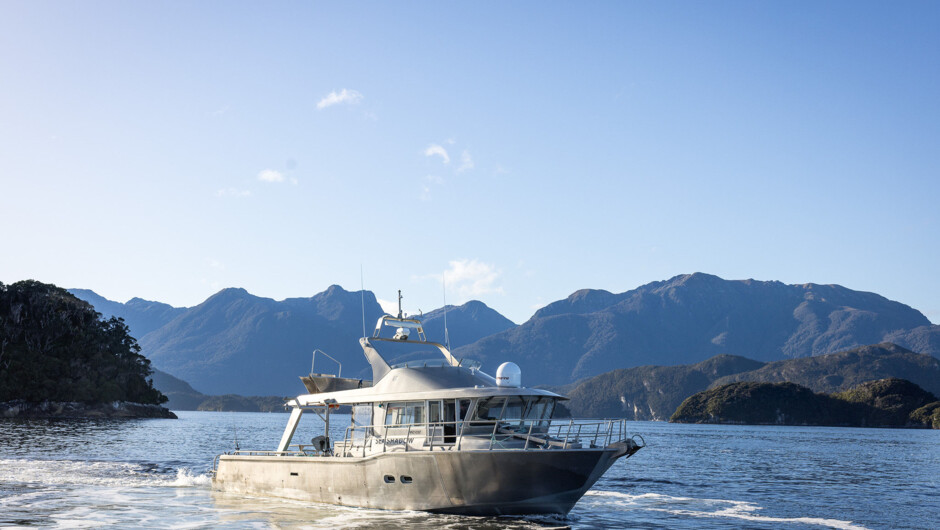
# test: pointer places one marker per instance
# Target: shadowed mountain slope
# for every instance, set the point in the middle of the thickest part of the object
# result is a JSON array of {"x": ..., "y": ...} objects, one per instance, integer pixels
[
  {"x": 238, "y": 343},
  {"x": 141, "y": 316},
  {"x": 235, "y": 342},
  {"x": 842, "y": 370}
]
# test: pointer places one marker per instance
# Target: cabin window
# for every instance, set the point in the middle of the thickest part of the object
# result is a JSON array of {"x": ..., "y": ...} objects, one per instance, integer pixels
[
  {"x": 515, "y": 410},
  {"x": 362, "y": 414},
  {"x": 434, "y": 412},
  {"x": 488, "y": 409},
  {"x": 540, "y": 410},
  {"x": 463, "y": 406},
  {"x": 404, "y": 413}
]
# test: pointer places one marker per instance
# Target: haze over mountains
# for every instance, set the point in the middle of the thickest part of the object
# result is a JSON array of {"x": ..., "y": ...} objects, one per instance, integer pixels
[{"x": 235, "y": 342}]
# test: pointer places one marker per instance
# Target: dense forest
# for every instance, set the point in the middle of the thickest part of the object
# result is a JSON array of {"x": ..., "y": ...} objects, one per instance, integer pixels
[
  {"x": 888, "y": 402},
  {"x": 55, "y": 347}
]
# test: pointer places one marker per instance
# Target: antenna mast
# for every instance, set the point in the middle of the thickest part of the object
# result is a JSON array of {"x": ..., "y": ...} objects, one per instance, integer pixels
[
  {"x": 444, "y": 289},
  {"x": 399, "y": 304},
  {"x": 362, "y": 293}
]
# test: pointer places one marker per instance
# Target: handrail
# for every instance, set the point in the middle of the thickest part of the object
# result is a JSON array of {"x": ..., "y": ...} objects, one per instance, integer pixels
[
  {"x": 494, "y": 435},
  {"x": 539, "y": 435}
]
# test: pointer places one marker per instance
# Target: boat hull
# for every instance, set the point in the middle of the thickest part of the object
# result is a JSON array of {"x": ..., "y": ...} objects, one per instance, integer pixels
[{"x": 455, "y": 482}]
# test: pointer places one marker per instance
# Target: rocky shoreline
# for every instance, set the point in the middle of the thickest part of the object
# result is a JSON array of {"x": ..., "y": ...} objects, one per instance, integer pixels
[{"x": 71, "y": 409}]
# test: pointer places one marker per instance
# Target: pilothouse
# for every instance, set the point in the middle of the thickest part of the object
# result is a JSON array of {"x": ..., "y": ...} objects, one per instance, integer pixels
[{"x": 437, "y": 435}]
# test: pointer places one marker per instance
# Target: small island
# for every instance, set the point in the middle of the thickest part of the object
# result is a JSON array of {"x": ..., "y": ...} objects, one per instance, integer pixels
[
  {"x": 888, "y": 402},
  {"x": 60, "y": 359}
]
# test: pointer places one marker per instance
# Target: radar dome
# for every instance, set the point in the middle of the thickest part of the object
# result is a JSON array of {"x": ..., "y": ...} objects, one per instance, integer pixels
[{"x": 509, "y": 374}]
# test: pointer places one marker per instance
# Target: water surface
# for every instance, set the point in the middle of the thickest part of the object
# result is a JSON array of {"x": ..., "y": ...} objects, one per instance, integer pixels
[{"x": 154, "y": 473}]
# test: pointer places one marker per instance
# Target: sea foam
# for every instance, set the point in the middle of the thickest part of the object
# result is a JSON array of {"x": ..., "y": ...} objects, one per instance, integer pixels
[{"x": 711, "y": 508}]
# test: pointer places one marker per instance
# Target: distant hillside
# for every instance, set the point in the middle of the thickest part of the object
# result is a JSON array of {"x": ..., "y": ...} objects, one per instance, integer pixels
[
  {"x": 839, "y": 371},
  {"x": 141, "y": 316},
  {"x": 466, "y": 324},
  {"x": 235, "y": 342},
  {"x": 693, "y": 317},
  {"x": 654, "y": 392},
  {"x": 182, "y": 396},
  {"x": 649, "y": 392},
  {"x": 882, "y": 403}
]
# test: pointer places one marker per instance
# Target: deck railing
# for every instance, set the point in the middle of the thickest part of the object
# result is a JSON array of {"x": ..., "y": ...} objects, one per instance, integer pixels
[
  {"x": 475, "y": 435},
  {"x": 481, "y": 435}
]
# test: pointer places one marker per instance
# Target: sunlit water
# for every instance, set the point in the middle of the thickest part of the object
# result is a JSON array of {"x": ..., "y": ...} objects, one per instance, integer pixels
[{"x": 154, "y": 473}]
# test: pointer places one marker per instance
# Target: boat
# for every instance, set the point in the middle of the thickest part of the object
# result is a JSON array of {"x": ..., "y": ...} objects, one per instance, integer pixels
[{"x": 436, "y": 435}]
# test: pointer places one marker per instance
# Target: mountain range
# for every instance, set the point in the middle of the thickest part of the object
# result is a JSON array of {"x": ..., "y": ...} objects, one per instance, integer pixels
[
  {"x": 235, "y": 342},
  {"x": 693, "y": 317}
]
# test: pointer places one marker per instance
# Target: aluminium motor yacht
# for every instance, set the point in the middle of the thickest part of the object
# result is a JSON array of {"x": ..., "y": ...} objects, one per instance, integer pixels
[{"x": 438, "y": 435}]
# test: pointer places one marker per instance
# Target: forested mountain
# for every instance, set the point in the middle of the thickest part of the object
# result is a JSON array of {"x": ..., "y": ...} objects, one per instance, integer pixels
[
  {"x": 654, "y": 392},
  {"x": 55, "y": 347},
  {"x": 235, "y": 342},
  {"x": 238, "y": 343},
  {"x": 839, "y": 371},
  {"x": 466, "y": 324},
  {"x": 887, "y": 402},
  {"x": 693, "y": 317}
]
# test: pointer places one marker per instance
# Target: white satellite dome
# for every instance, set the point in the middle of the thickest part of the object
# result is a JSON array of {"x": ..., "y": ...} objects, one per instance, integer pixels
[{"x": 509, "y": 374}]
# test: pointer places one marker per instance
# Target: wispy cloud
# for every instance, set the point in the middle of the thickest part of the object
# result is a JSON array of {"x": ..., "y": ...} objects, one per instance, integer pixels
[
  {"x": 232, "y": 192},
  {"x": 466, "y": 161},
  {"x": 470, "y": 278},
  {"x": 389, "y": 307},
  {"x": 435, "y": 149},
  {"x": 344, "y": 96},
  {"x": 270, "y": 175}
]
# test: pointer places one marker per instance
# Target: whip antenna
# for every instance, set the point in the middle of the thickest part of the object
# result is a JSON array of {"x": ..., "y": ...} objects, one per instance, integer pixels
[
  {"x": 362, "y": 295},
  {"x": 444, "y": 290}
]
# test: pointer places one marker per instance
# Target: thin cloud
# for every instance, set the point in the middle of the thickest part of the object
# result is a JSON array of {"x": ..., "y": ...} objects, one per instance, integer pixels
[
  {"x": 389, "y": 307},
  {"x": 466, "y": 162},
  {"x": 270, "y": 175},
  {"x": 470, "y": 278},
  {"x": 435, "y": 149},
  {"x": 344, "y": 96}
]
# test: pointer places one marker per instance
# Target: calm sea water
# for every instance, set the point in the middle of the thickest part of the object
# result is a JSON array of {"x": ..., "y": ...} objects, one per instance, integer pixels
[{"x": 153, "y": 473}]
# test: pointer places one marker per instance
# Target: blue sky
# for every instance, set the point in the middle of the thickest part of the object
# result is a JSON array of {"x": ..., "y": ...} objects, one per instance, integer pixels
[{"x": 170, "y": 149}]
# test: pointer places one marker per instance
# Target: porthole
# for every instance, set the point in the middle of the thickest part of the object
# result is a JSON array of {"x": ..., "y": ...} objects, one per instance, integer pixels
[{"x": 389, "y": 479}]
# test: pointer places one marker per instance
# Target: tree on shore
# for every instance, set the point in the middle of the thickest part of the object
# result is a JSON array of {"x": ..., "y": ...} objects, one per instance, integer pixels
[{"x": 55, "y": 347}]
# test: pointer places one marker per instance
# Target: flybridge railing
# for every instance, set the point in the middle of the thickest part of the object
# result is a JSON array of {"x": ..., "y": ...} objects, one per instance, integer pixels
[{"x": 480, "y": 435}]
